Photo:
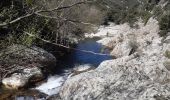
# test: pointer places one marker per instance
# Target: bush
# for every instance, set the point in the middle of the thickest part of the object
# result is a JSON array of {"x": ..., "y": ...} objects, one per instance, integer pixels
[
  {"x": 145, "y": 15},
  {"x": 14, "y": 33},
  {"x": 164, "y": 21},
  {"x": 157, "y": 12},
  {"x": 163, "y": 33},
  {"x": 167, "y": 54},
  {"x": 164, "y": 24},
  {"x": 129, "y": 11},
  {"x": 48, "y": 28}
]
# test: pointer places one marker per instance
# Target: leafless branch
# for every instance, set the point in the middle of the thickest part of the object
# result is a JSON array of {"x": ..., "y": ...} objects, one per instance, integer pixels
[
  {"x": 63, "y": 7},
  {"x": 16, "y": 20},
  {"x": 60, "y": 45},
  {"x": 64, "y": 19},
  {"x": 40, "y": 11}
]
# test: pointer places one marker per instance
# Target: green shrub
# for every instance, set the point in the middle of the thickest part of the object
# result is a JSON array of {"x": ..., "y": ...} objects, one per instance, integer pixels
[
  {"x": 163, "y": 33},
  {"x": 145, "y": 15},
  {"x": 164, "y": 24},
  {"x": 164, "y": 21},
  {"x": 167, "y": 54},
  {"x": 157, "y": 12}
]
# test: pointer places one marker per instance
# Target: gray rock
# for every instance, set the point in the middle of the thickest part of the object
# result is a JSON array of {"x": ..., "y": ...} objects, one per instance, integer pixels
[
  {"x": 120, "y": 79},
  {"x": 19, "y": 80},
  {"x": 81, "y": 69},
  {"x": 22, "y": 54},
  {"x": 54, "y": 97},
  {"x": 139, "y": 76},
  {"x": 21, "y": 64}
]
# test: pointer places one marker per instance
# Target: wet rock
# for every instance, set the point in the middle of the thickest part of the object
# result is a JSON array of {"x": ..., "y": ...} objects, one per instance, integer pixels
[
  {"x": 54, "y": 97},
  {"x": 22, "y": 95}
]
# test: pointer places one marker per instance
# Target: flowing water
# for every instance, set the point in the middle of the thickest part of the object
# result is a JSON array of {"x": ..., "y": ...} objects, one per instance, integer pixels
[
  {"x": 66, "y": 63},
  {"x": 76, "y": 58}
]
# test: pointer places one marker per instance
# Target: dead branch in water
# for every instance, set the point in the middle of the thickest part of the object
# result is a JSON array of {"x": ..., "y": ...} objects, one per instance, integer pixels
[{"x": 60, "y": 45}]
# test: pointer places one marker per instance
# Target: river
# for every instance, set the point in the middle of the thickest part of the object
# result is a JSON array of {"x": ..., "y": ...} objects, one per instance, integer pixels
[{"x": 64, "y": 66}]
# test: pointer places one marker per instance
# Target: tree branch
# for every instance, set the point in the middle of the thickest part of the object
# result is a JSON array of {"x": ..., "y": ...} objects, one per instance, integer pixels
[
  {"x": 60, "y": 45},
  {"x": 64, "y": 19},
  {"x": 15, "y": 20},
  {"x": 64, "y": 7},
  {"x": 40, "y": 11}
]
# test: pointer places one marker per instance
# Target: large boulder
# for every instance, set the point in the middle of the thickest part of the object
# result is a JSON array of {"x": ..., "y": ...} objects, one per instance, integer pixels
[
  {"x": 21, "y": 64},
  {"x": 120, "y": 79},
  {"x": 20, "y": 54}
]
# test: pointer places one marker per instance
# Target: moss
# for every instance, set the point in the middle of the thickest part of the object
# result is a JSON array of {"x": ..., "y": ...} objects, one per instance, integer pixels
[
  {"x": 167, "y": 54},
  {"x": 157, "y": 12},
  {"x": 145, "y": 15},
  {"x": 164, "y": 24},
  {"x": 163, "y": 33},
  {"x": 165, "y": 21}
]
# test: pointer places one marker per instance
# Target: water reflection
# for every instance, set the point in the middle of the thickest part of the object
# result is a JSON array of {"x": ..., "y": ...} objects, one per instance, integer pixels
[
  {"x": 80, "y": 58},
  {"x": 24, "y": 98}
]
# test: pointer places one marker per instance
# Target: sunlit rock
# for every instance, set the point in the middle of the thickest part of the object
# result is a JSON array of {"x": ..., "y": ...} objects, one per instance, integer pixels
[
  {"x": 81, "y": 69},
  {"x": 19, "y": 80},
  {"x": 141, "y": 75}
]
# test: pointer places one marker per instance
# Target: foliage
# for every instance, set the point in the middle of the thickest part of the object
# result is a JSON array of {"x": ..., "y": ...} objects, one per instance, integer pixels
[
  {"x": 128, "y": 10},
  {"x": 164, "y": 21},
  {"x": 15, "y": 32},
  {"x": 131, "y": 10},
  {"x": 45, "y": 25},
  {"x": 157, "y": 12},
  {"x": 167, "y": 54}
]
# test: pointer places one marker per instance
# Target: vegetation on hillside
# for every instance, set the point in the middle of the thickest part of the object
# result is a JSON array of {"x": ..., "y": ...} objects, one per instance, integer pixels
[
  {"x": 121, "y": 11},
  {"x": 30, "y": 22}
]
